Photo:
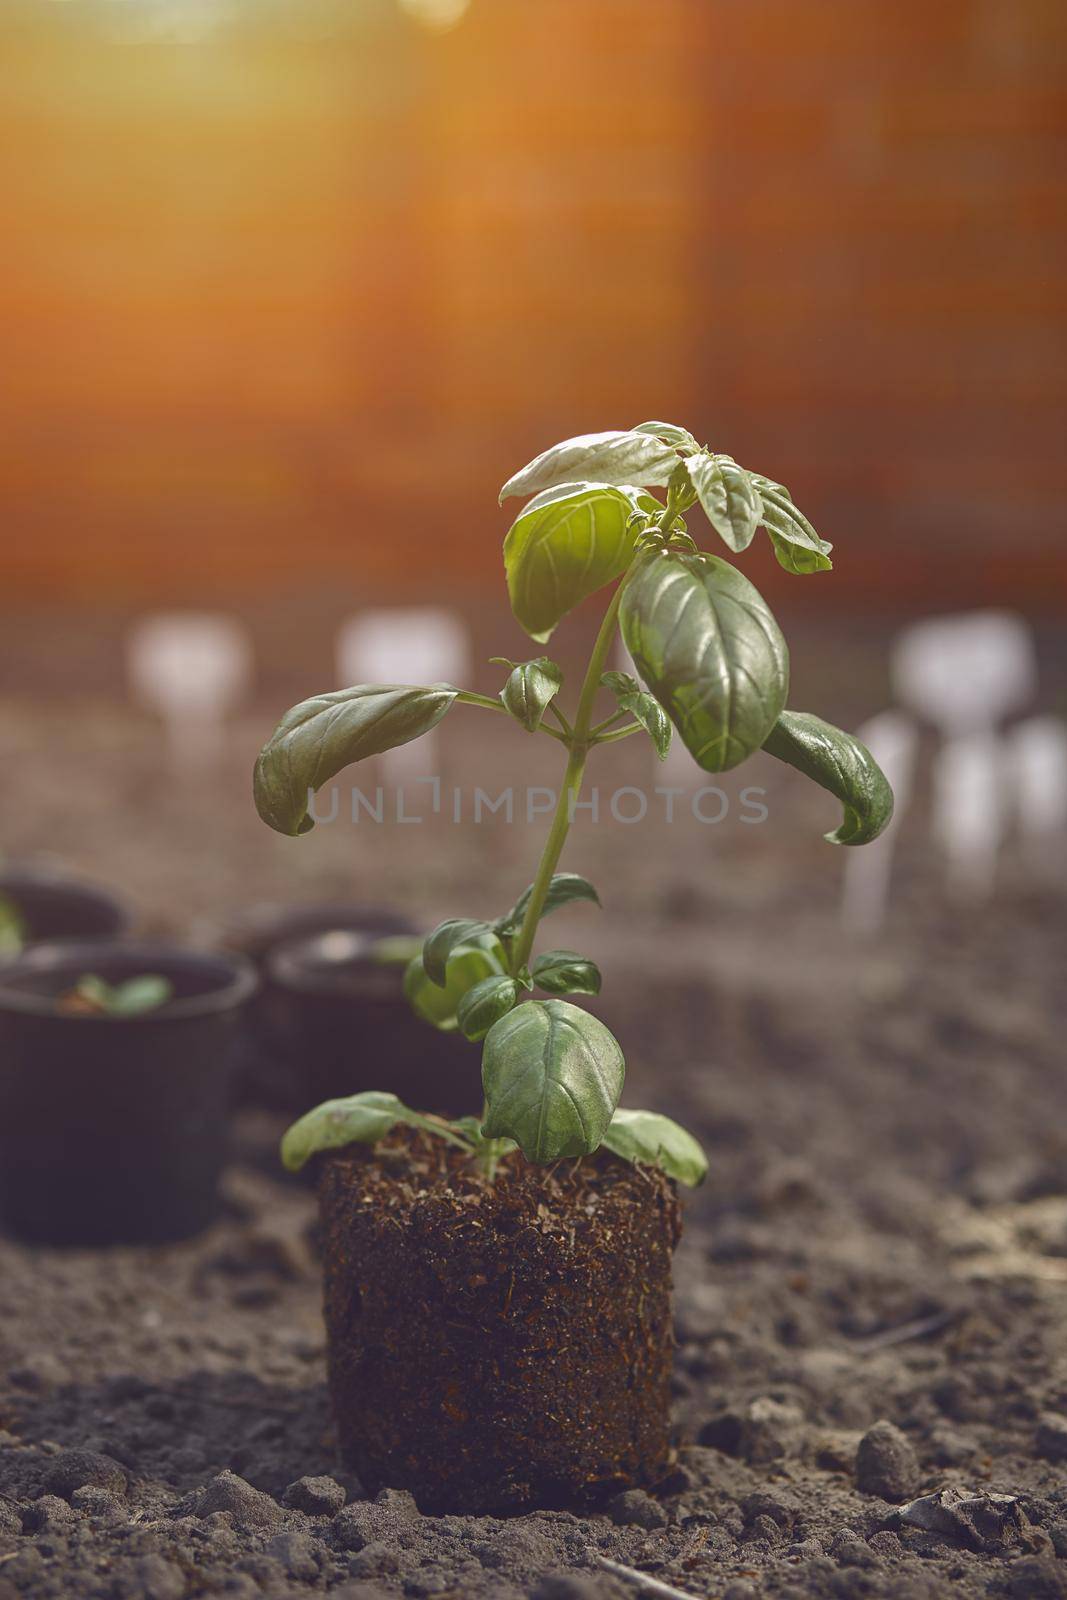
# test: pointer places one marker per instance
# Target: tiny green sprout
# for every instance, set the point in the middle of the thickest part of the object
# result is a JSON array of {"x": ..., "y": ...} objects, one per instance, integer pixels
[
  {"x": 92, "y": 997},
  {"x": 712, "y": 666}
]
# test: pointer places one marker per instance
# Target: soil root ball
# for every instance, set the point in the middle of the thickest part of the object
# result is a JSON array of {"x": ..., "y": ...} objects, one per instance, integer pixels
[{"x": 494, "y": 1348}]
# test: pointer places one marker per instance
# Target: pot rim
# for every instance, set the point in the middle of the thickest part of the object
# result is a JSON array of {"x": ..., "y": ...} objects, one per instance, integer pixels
[
  {"x": 45, "y": 876},
  {"x": 291, "y": 965},
  {"x": 82, "y": 955}
]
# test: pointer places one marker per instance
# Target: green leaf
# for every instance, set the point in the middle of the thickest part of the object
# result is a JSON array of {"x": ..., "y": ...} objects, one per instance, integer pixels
[
  {"x": 729, "y": 497},
  {"x": 841, "y": 764},
  {"x": 669, "y": 433},
  {"x": 358, "y": 1119},
  {"x": 642, "y": 706},
  {"x": 566, "y": 544},
  {"x": 530, "y": 689},
  {"x": 552, "y": 1076},
  {"x": 468, "y": 964},
  {"x": 438, "y": 945},
  {"x": 630, "y": 456},
  {"x": 12, "y": 927},
  {"x": 137, "y": 995},
  {"x": 562, "y": 889},
  {"x": 131, "y": 998},
  {"x": 488, "y": 1001},
  {"x": 93, "y": 993},
  {"x": 796, "y": 544},
  {"x": 566, "y": 972},
  {"x": 658, "y": 1142},
  {"x": 706, "y": 644},
  {"x": 320, "y": 736}
]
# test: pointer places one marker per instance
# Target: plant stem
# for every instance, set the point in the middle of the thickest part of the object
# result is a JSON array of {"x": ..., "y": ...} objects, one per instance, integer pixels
[
  {"x": 467, "y": 697},
  {"x": 572, "y": 784},
  {"x": 618, "y": 733},
  {"x": 608, "y": 722}
]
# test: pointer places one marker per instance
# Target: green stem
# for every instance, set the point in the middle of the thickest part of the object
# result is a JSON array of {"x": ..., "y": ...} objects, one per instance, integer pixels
[
  {"x": 572, "y": 784},
  {"x": 608, "y": 722},
  {"x": 561, "y": 719},
  {"x": 619, "y": 733},
  {"x": 467, "y": 697}
]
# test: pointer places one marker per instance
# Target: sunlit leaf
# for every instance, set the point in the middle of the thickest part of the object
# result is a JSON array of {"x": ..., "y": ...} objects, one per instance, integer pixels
[
  {"x": 626, "y": 456},
  {"x": 797, "y": 546},
  {"x": 669, "y": 433},
  {"x": 729, "y": 497},
  {"x": 566, "y": 544}
]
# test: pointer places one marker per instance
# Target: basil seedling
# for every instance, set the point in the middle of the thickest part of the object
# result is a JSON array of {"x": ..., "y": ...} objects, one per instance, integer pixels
[
  {"x": 91, "y": 996},
  {"x": 712, "y": 664}
]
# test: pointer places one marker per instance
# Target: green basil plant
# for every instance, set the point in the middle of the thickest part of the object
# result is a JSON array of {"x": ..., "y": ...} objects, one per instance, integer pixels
[{"x": 711, "y": 663}]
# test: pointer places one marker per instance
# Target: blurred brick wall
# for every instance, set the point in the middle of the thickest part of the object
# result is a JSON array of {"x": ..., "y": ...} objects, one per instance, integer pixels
[
  {"x": 301, "y": 292},
  {"x": 886, "y": 294}
]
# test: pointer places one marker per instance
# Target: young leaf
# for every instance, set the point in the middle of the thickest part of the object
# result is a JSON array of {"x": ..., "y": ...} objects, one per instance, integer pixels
[
  {"x": 642, "y": 706},
  {"x": 669, "y": 433},
  {"x": 92, "y": 996},
  {"x": 797, "y": 546},
  {"x": 138, "y": 995},
  {"x": 566, "y": 972},
  {"x": 706, "y": 644},
  {"x": 566, "y": 544},
  {"x": 729, "y": 497},
  {"x": 562, "y": 889},
  {"x": 631, "y": 456},
  {"x": 468, "y": 964},
  {"x": 530, "y": 689},
  {"x": 438, "y": 945},
  {"x": 488, "y": 1001},
  {"x": 320, "y": 736},
  {"x": 841, "y": 764},
  {"x": 359, "y": 1119},
  {"x": 659, "y": 1142},
  {"x": 12, "y": 928},
  {"x": 552, "y": 1076}
]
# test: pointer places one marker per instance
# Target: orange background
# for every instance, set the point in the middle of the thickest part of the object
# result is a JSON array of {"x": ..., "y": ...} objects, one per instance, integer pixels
[{"x": 288, "y": 289}]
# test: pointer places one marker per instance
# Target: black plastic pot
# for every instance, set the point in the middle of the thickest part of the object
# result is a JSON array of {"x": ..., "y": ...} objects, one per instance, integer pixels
[
  {"x": 113, "y": 1130},
  {"x": 272, "y": 1057},
  {"x": 258, "y": 931},
  {"x": 347, "y": 1026},
  {"x": 53, "y": 905}
]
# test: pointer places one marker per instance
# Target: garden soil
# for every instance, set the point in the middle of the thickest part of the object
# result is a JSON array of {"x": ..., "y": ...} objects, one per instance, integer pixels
[{"x": 870, "y": 1394}]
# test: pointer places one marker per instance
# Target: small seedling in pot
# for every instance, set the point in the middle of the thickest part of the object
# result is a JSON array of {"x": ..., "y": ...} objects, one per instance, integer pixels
[
  {"x": 476, "y": 1283},
  {"x": 712, "y": 665},
  {"x": 93, "y": 997}
]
